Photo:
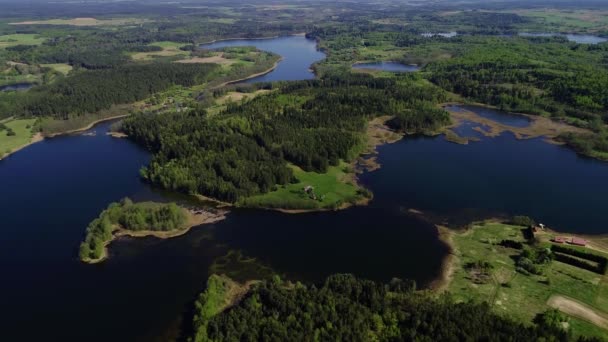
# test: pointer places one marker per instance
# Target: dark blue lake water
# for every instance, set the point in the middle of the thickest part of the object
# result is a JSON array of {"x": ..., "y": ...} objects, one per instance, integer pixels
[
  {"x": 387, "y": 66},
  {"x": 298, "y": 52}
]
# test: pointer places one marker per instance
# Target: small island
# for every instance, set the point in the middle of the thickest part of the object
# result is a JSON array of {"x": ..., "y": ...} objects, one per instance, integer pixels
[{"x": 126, "y": 218}]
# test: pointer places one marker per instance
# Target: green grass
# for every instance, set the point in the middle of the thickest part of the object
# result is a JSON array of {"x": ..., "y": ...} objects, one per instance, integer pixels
[
  {"x": 59, "y": 67},
  {"x": 336, "y": 187},
  {"x": 525, "y": 295},
  {"x": 169, "y": 49},
  {"x": 23, "y": 135},
  {"x": 20, "y": 39}
]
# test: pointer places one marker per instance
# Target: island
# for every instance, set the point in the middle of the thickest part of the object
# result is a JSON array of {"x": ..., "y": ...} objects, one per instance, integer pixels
[{"x": 126, "y": 218}]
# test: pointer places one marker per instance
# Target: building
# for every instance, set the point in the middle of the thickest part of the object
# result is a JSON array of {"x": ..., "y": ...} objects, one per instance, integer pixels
[{"x": 579, "y": 242}]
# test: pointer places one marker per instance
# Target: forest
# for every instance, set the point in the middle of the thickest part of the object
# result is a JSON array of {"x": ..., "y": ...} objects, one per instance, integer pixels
[
  {"x": 91, "y": 91},
  {"x": 345, "y": 308},
  {"x": 129, "y": 216},
  {"x": 245, "y": 150}
]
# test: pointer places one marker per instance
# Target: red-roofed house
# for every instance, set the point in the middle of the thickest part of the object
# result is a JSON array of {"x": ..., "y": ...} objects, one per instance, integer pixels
[
  {"x": 579, "y": 242},
  {"x": 560, "y": 239}
]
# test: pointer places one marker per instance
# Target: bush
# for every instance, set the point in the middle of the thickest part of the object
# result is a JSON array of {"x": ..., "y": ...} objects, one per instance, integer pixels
[{"x": 523, "y": 221}]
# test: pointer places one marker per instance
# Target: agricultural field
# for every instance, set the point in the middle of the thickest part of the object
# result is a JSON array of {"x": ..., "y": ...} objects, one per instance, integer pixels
[
  {"x": 20, "y": 39},
  {"x": 486, "y": 270}
]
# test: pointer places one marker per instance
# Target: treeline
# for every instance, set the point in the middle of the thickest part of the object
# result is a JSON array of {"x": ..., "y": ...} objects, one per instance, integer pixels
[
  {"x": 345, "y": 308},
  {"x": 589, "y": 261},
  {"x": 130, "y": 216},
  {"x": 91, "y": 91},
  {"x": 244, "y": 150}
]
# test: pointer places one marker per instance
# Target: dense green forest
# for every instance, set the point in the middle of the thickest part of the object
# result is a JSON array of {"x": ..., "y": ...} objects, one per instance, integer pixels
[
  {"x": 91, "y": 91},
  {"x": 130, "y": 216},
  {"x": 345, "y": 308},
  {"x": 245, "y": 150}
]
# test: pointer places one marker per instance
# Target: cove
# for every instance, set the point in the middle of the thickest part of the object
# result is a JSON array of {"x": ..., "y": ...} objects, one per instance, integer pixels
[
  {"x": 495, "y": 176},
  {"x": 387, "y": 66},
  {"x": 298, "y": 53}
]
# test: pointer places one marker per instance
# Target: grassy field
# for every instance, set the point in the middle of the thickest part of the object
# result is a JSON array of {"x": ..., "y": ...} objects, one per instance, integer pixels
[
  {"x": 20, "y": 39},
  {"x": 517, "y": 295},
  {"x": 59, "y": 67},
  {"x": 333, "y": 189},
  {"x": 169, "y": 49},
  {"x": 23, "y": 135}
]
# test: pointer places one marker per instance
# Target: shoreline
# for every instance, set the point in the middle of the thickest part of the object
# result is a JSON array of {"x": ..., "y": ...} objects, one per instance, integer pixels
[
  {"x": 262, "y": 73},
  {"x": 193, "y": 221},
  {"x": 87, "y": 127},
  {"x": 39, "y": 136},
  {"x": 299, "y": 34},
  {"x": 36, "y": 138}
]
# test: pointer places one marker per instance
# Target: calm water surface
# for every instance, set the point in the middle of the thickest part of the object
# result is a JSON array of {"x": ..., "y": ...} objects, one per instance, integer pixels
[
  {"x": 53, "y": 189},
  {"x": 298, "y": 52},
  {"x": 387, "y": 66}
]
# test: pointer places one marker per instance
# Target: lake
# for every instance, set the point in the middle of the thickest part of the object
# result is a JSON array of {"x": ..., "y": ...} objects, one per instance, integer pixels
[
  {"x": 298, "y": 52},
  {"x": 16, "y": 87},
  {"x": 577, "y": 38},
  {"x": 387, "y": 66},
  {"x": 53, "y": 189},
  {"x": 59, "y": 185}
]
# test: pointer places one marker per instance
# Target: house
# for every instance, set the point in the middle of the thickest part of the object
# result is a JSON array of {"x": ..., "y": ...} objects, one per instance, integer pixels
[
  {"x": 560, "y": 239},
  {"x": 579, "y": 242}
]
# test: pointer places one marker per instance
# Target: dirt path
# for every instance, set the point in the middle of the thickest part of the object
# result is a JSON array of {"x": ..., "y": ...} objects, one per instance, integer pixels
[{"x": 577, "y": 309}]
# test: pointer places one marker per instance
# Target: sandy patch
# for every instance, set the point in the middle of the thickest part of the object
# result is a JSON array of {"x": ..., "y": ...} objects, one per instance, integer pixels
[{"x": 580, "y": 310}]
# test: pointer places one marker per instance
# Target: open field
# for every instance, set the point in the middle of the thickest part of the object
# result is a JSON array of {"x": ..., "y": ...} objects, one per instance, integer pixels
[
  {"x": 59, "y": 67},
  {"x": 169, "y": 49},
  {"x": 85, "y": 22},
  {"x": 333, "y": 189},
  {"x": 573, "y": 290},
  {"x": 20, "y": 39},
  {"x": 214, "y": 59},
  {"x": 23, "y": 135}
]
